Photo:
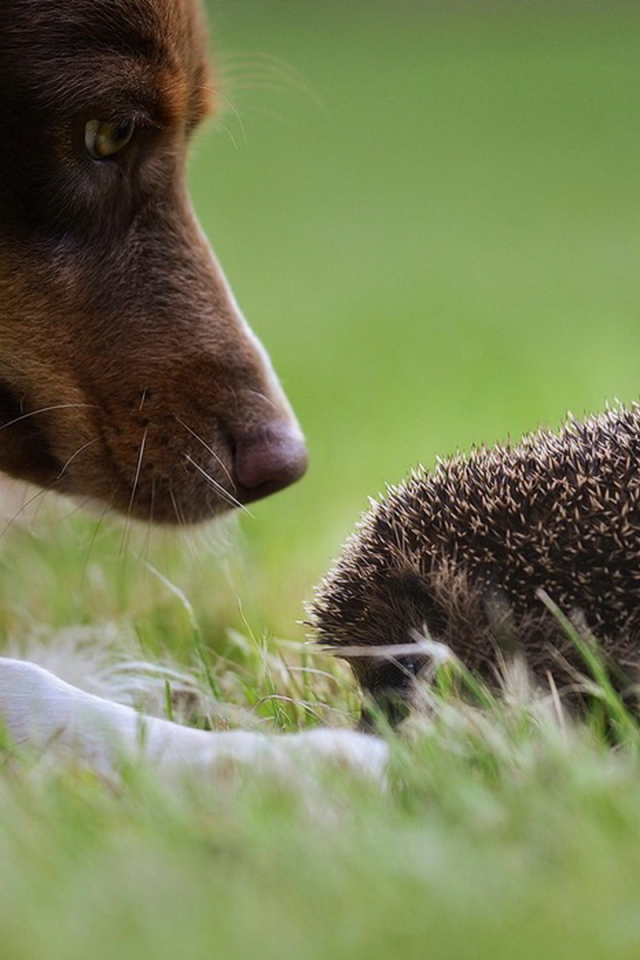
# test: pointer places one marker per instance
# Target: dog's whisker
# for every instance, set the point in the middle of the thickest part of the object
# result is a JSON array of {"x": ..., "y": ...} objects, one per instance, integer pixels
[
  {"x": 220, "y": 490},
  {"x": 209, "y": 449},
  {"x": 213, "y": 483},
  {"x": 92, "y": 543},
  {"x": 136, "y": 477},
  {"x": 124, "y": 539},
  {"x": 77, "y": 506},
  {"x": 144, "y": 549},
  {"x": 225, "y": 129},
  {"x": 134, "y": 490},
  {"x": 35, "y": 413},
  {"x": 266, "y": 72},
  {"x": 236, "y": 113},
  {"x": 177, "y": 509},
  {"x": 36, "y": 496},
  {"x": 153, "y": 499},
  {"x": 73, "y": 456},
  {"x": 263, "y": 396}
]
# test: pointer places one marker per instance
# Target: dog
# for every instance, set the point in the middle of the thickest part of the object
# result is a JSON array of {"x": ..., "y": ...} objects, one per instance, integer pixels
[{"x": 128, "y": 375}]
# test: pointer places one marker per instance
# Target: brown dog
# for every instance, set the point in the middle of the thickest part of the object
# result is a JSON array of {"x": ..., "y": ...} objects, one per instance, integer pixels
[{"x": 127, "y": 373}]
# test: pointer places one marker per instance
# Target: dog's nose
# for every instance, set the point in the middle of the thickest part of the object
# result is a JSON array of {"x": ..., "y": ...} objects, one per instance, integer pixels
[{"x": 269, "y": 460}]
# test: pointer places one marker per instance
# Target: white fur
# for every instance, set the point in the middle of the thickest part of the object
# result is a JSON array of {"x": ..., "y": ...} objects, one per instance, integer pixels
[{"x": 42, "y": 712}]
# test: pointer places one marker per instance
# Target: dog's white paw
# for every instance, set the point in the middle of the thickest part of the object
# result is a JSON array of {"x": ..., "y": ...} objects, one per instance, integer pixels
[{"x": 41, "y": 712}]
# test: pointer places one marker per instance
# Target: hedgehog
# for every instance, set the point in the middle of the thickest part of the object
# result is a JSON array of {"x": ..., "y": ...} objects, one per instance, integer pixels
[{"x": 481, "y": 555}]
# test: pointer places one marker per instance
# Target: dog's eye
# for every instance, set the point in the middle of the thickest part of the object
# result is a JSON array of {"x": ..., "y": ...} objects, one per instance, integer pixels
[{"x": 103, "y": 138}]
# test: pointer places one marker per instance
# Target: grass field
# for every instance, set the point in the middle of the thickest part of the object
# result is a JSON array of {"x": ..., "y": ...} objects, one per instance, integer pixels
[{"x": 430, "y": 213}]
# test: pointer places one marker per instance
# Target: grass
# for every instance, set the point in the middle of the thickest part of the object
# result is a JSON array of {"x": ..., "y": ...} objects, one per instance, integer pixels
[{"x": 429, "y": 211}]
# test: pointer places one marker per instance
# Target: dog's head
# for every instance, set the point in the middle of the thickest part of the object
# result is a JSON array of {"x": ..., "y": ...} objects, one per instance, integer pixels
[{"x": 127, "y": 372}]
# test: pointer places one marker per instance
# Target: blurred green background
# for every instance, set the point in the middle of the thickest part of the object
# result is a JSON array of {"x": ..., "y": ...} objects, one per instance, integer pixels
[{"x": 430, "y": 214}]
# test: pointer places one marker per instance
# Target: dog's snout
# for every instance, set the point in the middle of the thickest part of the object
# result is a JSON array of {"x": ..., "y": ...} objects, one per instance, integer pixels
[{"x": 269, "y": 460}]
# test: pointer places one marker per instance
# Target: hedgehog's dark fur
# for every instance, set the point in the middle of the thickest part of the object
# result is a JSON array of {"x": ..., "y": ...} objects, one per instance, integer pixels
[{"x": 461, "y": 554}]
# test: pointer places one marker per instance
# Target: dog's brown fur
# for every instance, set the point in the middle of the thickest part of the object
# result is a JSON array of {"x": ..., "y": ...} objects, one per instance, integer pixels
[{"x": 127, "y": 373}]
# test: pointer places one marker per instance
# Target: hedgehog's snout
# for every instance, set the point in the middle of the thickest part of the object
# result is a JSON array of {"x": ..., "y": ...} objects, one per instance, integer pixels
[{"x": 388, "y": 692}]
